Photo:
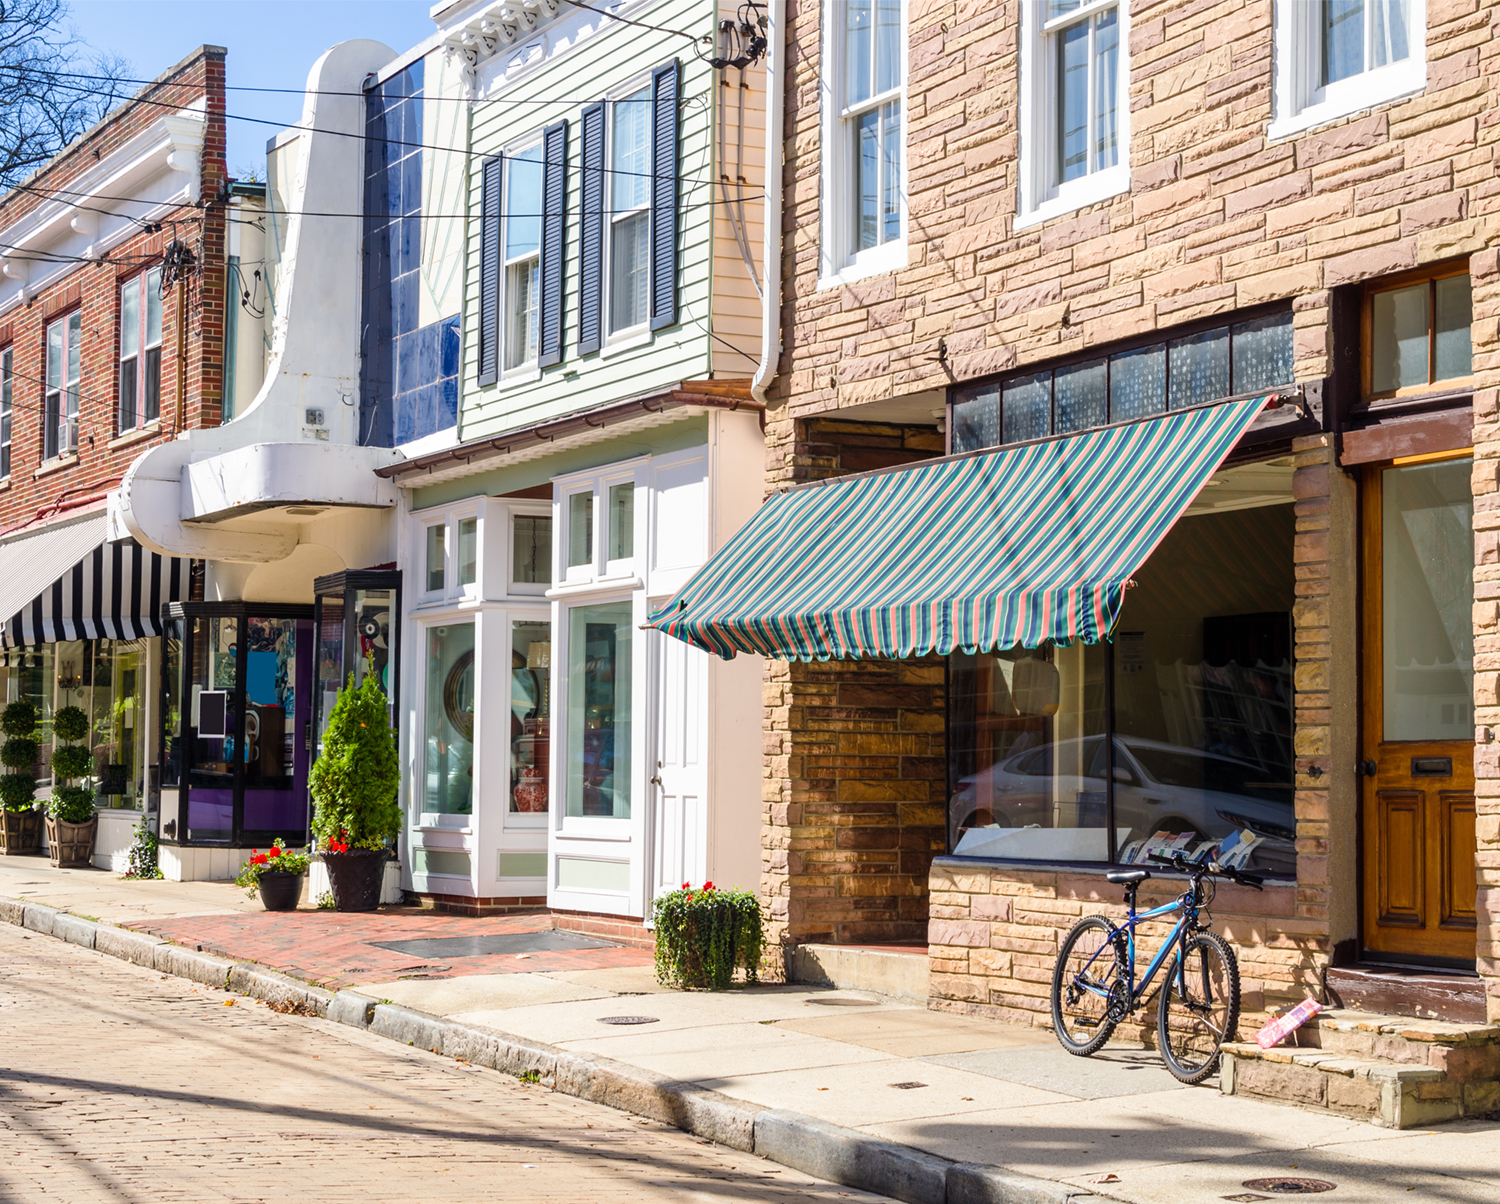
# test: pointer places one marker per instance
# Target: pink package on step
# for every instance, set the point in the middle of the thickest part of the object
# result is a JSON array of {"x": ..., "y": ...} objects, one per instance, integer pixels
[{"x": 1276, "y": 1031}]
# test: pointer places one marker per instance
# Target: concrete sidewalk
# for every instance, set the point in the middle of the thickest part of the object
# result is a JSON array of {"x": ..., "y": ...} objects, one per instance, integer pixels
[{"x": 970, "y": 1091}]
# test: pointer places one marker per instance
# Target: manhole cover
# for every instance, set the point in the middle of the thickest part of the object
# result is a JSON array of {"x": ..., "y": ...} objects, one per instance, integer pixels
[
  {"x": 907, "y": 1086},
  {"x": 628, "y": 1020},
  {"x": 1284, "y": 1185}
]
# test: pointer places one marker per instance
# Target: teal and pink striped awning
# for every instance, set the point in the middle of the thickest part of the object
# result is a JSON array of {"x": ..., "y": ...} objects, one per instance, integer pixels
[{"x": 1026, "y": 545}]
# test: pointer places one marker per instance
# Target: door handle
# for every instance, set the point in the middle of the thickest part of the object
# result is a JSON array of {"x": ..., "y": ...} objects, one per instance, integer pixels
[
  {"x": 656, "y": 781},
  {"x": 1366, "y": 769}
]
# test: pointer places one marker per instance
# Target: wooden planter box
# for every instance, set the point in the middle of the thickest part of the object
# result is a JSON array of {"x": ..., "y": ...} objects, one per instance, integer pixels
[
  {"x": 20, "y": 831},
  {"x": 71, "y": 845}
]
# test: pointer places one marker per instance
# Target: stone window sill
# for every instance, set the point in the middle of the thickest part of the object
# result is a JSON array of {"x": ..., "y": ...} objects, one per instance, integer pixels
[
  {"x": 56, "y": 464},
  {"x": 139, "y": 435}
]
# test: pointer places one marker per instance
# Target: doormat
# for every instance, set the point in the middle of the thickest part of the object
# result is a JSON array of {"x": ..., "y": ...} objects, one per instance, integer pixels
[{"x": 444, "y": 947}]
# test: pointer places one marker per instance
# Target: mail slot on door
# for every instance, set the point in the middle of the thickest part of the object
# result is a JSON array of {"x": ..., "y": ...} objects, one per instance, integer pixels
[{"x": 1432, "y": 767}]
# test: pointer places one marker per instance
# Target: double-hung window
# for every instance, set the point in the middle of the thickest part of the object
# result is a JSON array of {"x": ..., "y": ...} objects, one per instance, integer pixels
[
  {"x": 60, "y": 402},
  {"x": 1074, "y": 63},
  {"x": 865, "y": 135},
  {"x": 140, "y": 350},
  {"x": 1335, "y": 57},
  {"x": 629, "y": 217},
  {"x": 5, "y": 403},
  {"x": 523, "y": 259}
]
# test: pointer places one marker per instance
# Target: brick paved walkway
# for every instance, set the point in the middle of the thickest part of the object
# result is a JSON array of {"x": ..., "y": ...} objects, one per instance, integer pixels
[
  {"x": 122, "y": 1085},
  {"x": 335, "y": 949}
]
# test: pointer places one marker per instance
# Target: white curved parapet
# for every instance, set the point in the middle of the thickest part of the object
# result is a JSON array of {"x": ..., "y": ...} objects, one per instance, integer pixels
[{"x": 272, "y": 454}]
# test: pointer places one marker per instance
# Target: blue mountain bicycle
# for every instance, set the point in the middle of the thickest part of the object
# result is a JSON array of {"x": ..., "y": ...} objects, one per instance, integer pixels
[{"x": 1094, "y": 986}]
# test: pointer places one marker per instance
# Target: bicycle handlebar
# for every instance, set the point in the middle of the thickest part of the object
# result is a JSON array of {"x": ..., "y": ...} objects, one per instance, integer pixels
[{"x": 1199, "y": 868}]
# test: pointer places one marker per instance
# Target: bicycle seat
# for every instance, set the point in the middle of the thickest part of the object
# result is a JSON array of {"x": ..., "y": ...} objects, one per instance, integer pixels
[{"x": 1127, "y": 877}]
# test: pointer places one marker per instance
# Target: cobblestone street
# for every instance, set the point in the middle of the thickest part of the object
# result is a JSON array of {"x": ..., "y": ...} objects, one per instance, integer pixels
[{"x": 118, "y": 1083}]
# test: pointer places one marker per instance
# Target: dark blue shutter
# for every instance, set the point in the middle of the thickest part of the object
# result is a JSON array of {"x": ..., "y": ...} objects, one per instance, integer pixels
[
  {"x": 554, "y": 207},
  {"x": 489, "y": 272},
  {"x": 666, "y": 88},
  {"x": 591, "y": 230}
]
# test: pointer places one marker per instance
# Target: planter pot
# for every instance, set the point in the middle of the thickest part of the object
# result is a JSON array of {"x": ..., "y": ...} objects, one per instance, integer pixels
[
  {"x": 71, "y": 845},
  {"x": 355, "y": 878},
  {"x": 20, "y": 831},
  {"x": 280, "y": 892}
]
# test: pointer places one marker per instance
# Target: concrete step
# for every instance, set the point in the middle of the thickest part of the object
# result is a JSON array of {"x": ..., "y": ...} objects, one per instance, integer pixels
[
  {"x": 896, "y": 971},
  {"x": 1394, "y": 1070},
  {"x": 1407, "y": 990}
]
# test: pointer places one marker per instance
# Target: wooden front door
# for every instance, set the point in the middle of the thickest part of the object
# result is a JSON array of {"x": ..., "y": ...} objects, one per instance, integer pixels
[{"x": 1418, "y": 807}]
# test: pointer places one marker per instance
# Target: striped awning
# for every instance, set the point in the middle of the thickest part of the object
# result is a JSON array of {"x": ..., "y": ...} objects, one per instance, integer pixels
[
  {"x": 66, "y": 583},
  {"x": 1030, "y": 544}
]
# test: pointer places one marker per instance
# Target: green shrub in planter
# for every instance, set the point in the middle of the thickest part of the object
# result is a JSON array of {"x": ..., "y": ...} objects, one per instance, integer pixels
[
  {"x": 355, "y": 779},
  {"x": 703, "y": 936},
  {"x": 18, "y": 755},
  {"x": 71, "y": 804}
]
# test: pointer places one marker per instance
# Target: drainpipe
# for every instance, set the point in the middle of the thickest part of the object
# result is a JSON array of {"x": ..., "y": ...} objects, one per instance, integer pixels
[{"x": 770, "y": 310}]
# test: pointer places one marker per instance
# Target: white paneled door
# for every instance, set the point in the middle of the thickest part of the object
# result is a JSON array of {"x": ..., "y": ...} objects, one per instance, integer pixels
[{"x": 679, "y": 806}]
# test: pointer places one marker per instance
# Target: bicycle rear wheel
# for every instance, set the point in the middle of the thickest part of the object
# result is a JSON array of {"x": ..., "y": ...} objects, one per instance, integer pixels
[
  {"x": 1199, "y": 1007},
  {"x": 1084, "y": 982}
]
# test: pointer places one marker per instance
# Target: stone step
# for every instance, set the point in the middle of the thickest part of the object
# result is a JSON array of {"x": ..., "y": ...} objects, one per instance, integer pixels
[
  {"x": 896, "y": 971},
  {"x": 1396, "y": 1071}
]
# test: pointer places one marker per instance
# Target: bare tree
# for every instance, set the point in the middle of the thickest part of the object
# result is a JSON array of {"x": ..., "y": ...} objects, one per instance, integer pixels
[{"x": 53, "y": 87}]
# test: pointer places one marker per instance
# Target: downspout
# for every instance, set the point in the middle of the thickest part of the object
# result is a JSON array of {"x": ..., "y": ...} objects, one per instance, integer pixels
[{"x": 770, "y": 302}]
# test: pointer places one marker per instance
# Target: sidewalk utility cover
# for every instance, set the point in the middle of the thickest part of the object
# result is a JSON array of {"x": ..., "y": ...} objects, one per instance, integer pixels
[
  {"x": 1025, "y": 545},
  {"x": 444, "y": 947}
]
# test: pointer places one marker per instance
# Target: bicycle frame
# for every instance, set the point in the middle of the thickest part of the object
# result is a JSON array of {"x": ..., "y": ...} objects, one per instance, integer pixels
[{"x": 1186, "y": 903}]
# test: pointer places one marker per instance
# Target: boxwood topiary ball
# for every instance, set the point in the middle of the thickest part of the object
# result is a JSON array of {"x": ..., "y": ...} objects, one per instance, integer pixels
[
  {"x": 18, "y": 718},
  {"x": 18, "y": 752},
  {"x": 17, "y": 791},
  {"x": 72, "y": 761},
  {"x": 70, "y": 723}
]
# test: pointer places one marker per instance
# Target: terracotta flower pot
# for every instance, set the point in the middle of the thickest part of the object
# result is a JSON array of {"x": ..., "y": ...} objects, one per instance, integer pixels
[
  {"x": 355, "y": 878},
  {"x": 71, "y": 846},
  {"x": 20, "y": 831},
  {"x": 280, "y": 892}
]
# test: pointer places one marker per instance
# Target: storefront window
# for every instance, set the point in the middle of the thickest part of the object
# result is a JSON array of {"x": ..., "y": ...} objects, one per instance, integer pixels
[
  {"x": 530, "y": 715},
  {"x": 1201, "y": 675},
  {"x": 532, "y": 556},
  {"x": 1427, "y": 540},
  {"x": 119, "y": 723},
  {"x": 448, "y": 771},
  {"x": 29, "y": 677},
  {"x": 599, "y": 707},
  {"x": 215, "y": 723}
]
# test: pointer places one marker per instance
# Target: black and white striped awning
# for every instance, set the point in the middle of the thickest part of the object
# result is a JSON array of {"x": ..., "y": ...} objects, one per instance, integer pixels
[{"x": 65, "y": 583}]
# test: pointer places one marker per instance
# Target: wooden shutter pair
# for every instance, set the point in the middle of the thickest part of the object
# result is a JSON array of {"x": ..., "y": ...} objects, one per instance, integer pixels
[
  {"x": 552, "y": 252},
  {"x": 666, "y": 90}
]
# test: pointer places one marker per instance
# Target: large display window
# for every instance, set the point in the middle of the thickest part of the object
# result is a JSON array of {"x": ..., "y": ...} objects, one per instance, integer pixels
[
  {"x": 599, "y": 710},
  {"x": 1177, "y": 734}
]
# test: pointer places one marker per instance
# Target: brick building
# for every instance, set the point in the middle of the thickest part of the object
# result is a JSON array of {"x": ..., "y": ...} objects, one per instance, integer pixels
[
  {"x": 1015, "y": 231},
  {"x": 112, "y": 339}
]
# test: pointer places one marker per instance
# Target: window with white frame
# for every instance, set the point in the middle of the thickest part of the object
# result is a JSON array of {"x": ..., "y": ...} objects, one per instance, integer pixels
[
  {"x": 523, "y": 246},
  {"x": 865, "y": 133},
  {"x": 629, "y": 214},
  {"x": 1335, "y": 57},
  {"x": 5, "y": 402},
  {"x": 599, "y": 535},
  {"x": 140, "y": 350},
  {"x": 1075, "y": 62},
  {"x": 60, "y": 401}
]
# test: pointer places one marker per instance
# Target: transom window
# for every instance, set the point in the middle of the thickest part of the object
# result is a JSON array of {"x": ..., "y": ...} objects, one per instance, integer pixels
[
  {"x": 630, "y": 215},
  {"x": 523, "y": 247},
  {"x": 1135, "y": 382},
  {"x": 60, "y": 404},
  {"x": 140, "y": 350},
  {"x": 1417, "y": 333}
]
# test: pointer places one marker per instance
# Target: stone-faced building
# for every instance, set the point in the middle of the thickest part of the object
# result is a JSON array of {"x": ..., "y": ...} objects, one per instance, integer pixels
[{"x": 1048, "y": 224}]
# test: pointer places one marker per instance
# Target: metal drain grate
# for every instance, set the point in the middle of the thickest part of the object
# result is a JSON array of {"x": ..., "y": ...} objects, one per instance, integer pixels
[
  {"x": 628, "y": 1020},
  {"x": 1287, "y": 1185},
  {"x": 907, "y": 1086}
]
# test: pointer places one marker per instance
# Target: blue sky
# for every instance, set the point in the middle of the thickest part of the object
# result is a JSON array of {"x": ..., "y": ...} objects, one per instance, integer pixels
[{"x": 271, "y": 43}]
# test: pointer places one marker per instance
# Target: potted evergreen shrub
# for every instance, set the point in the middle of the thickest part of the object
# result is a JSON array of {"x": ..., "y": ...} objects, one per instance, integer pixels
[
  {"x": 354, "y": 783},
  {"x": 20, "y": 821},
  {"x": 276, "y": 875},
  {"x": 72, "y": 822},
  {"x": 704, "y": 936}
]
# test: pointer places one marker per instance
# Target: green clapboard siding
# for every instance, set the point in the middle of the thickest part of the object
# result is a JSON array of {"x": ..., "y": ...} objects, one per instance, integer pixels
[{"x": 591, "y": 70}]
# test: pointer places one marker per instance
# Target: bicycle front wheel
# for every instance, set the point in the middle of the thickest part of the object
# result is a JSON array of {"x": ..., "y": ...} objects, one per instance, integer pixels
[
  {"x": 1199, "y": 1007},
  {"x": 1084, "y": 982}
]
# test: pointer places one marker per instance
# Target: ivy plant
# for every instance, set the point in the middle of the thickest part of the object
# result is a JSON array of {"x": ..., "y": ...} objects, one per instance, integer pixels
[
  {"x": 354, "y": 781},
  {"x": 143, "y": 853},
  {"x": 704, "y": 936},
  {"x": 70, "y": 804},
  {"x": 18, "y": 755}
]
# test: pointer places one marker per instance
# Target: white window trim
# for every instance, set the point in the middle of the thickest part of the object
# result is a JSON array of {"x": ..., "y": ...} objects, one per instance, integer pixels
[
  {"x": 600, "y": 572},
  {"x": 142, "y": 282},
  {"x": 67, "y": 391},
  {"x": 837, "y": 264},
  {"x": 419, "y": 819},
  {"x": 1039, "y": 201},
  {"x": 7, "y": 407},
  {"x": 513, "y": 511},
  {"x": 1300, "y": 105},
  {"x": 449, "y": 518},
  {"x": 640, "y": 333},
  {"x": 526, "y": 370}
]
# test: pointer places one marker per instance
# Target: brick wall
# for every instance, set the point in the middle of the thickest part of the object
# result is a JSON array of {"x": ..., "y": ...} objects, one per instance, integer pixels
[{"x": 192, "y": 365}]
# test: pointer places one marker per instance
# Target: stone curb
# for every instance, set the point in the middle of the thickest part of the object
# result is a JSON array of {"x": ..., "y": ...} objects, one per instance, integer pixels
[{"x": 815, "y": 1147}]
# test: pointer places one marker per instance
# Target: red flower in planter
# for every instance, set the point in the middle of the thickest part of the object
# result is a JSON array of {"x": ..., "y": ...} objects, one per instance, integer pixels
[
  {"x": 259, "y": 859},
  {"x": 708, "y": 886},
  {"x": 275, "y": 852}
]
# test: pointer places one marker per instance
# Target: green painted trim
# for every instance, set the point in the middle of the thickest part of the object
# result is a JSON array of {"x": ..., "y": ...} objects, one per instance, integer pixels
[
  {"x": 523, "y": 865},
  {"x": 676, "y": 436},
  {"x": 441, "y": 861},
  {"x": 578, "y": 873}
]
